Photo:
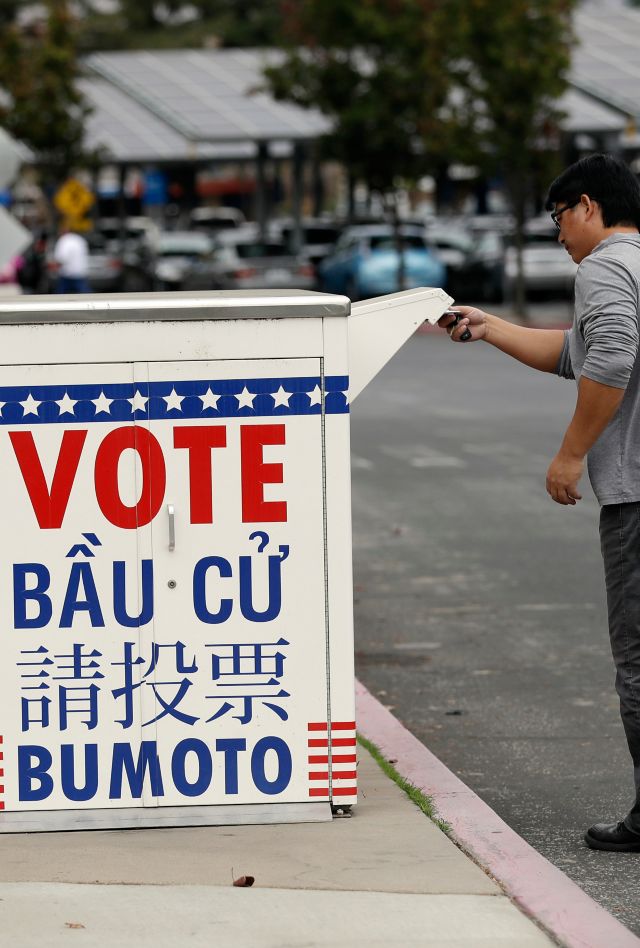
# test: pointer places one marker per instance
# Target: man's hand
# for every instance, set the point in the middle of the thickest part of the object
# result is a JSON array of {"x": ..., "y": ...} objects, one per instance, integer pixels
[
  {"x": 475, "y": 320},
  {"x": 596, "y": 406},
  {"x": 562, "y": 478}
]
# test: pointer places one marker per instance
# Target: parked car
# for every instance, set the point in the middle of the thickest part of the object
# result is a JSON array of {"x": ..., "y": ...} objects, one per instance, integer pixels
[
  {"x": 483, "y": 275},
  {"x": 365, "y": 262},
  {"x": 454, "y": 248},
  {"x": 547, "y": 267},
  {"x": 319, "y": 236},
  {"x": 184, "y": 260},
  {"x": 134, "y": 239},
  {"x": 213, "y": 220},
  {"x": 136, "y": 230},
  {"x": 473, "y": 249},
  {"x": 244, "y": 261}
]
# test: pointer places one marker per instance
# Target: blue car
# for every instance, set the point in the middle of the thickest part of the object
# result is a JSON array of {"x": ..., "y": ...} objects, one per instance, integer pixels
[{"x": 364, "y": 262}]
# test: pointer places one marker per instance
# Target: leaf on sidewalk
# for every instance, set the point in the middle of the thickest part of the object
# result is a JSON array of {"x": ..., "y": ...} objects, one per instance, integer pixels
[
  {"x": 244, "y": 881},
  {"x": 74, "y": 925}
]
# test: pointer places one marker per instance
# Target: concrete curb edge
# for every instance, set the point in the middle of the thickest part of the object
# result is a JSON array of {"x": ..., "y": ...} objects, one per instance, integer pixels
[{"x": 540, "y": 890}]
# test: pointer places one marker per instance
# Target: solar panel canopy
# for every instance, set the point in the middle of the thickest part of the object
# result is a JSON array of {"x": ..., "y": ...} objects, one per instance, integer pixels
[
  {"x": 210, "y": 103},
  {"x": 605, "y": 61},
  {"x": 202, "y": 104}
]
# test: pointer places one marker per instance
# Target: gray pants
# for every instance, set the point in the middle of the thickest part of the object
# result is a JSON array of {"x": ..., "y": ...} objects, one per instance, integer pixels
[{"x": 620, "y": 543}]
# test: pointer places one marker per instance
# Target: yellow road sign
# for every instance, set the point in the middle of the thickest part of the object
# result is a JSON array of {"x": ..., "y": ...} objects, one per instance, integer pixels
[
  {"x": 73, "y": 199},
  {"x": 79, "y": 224}
]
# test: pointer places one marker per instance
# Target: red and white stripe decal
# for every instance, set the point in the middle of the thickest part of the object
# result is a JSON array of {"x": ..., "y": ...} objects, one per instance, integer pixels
[
  {"x": 1, "y": 772},
  {"x": 337, "y": 771}
]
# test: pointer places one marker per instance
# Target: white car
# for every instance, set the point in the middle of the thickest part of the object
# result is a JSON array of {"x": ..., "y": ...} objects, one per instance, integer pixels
[
  {"x": 547, "y": 267},
  {"x": 212, "y": 220},
  {"x": 318, "y": 235}
]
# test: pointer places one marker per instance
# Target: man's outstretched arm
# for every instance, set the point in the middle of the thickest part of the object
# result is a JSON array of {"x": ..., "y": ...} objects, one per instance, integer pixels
[{"x": 539, "y": 348}]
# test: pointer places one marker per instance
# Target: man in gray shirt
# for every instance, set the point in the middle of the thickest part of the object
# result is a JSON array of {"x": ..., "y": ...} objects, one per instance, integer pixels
[{"x": 595, "y": 205}]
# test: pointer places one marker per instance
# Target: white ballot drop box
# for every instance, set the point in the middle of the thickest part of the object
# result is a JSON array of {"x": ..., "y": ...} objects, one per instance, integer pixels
[{"x": 175, "y": 561}]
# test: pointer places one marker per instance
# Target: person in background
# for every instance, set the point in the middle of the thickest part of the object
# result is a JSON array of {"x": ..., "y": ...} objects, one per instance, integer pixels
[
  {"x": 31, "y": 274},
  {"x": 595, "y": 205},
  {"x": 71, "y": 255},
  {"x": 10, "y": 273}
]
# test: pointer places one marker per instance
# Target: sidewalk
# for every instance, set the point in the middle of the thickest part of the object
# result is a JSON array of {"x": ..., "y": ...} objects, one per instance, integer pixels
[{"x": 388, "y": 877}]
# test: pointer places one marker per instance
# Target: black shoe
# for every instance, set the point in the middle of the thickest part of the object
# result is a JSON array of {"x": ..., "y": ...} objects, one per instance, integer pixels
[{"x": 612, "y": 836}]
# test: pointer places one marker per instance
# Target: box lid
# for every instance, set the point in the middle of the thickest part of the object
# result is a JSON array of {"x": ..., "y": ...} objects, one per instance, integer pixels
[{"x": 214, "y": 304}]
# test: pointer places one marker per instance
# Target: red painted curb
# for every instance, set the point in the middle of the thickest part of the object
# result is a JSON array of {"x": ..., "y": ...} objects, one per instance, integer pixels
[{"x": 540, "y": 890}]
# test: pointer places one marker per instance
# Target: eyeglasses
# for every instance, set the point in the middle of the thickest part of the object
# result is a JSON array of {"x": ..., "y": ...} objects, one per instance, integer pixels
[{"x": 556, "y": 214}]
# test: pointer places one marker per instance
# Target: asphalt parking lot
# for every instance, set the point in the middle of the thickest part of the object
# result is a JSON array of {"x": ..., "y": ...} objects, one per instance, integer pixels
[{"x": 480, "y": 613}]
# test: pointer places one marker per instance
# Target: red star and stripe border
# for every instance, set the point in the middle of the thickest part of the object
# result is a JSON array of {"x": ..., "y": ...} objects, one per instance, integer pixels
[{"x": 333, "y": 769}]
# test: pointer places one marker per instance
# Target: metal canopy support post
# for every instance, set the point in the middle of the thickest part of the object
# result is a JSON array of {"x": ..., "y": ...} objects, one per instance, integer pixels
[
  {"x": 121, "y": 206},
  {"x": 261, "y": 188},
  {"x": 318, "y": 183},
  {"x": 297, "y": 195},
  {"x": 351, "y": 197}
]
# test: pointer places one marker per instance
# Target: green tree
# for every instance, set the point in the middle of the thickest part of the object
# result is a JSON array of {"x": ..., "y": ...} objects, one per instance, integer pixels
[
  {"x": 146, "y": 24},
  {"x": 511, "y": 72},
  {"x": 43, "y": 107},
  {"x": 145, "y": 15},
  {"x": 379, "y": 70},
  {"x": 9, "y": 10},
  {"x": 244, "y": 22},
  {"x": 416, "y": 84}
]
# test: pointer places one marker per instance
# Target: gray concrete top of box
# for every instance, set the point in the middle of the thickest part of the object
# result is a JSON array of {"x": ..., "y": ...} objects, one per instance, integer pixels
[{"x": 218, "y": 304}]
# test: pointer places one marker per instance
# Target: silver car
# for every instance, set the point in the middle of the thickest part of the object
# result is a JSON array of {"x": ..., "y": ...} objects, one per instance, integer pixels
[
  {"x": 245, "y": 261},
  {"x": 184, "y": 261},
  {"x": 547, "y": 267}
]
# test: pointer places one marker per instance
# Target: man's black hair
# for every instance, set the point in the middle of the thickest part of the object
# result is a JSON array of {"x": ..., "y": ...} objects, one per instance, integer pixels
[{"x": 608, "y": 181}]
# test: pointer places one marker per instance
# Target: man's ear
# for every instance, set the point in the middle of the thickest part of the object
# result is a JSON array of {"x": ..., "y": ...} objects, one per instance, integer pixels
[{"x": 591, "y": 207}]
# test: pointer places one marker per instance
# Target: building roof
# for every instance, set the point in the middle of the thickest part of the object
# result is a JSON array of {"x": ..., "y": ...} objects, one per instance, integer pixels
[
  {"x": 204, "y": 96},
  {"x": 206, "y": 104},
  {"x": 605, "y": 61},
  {"x": 126, "y": 130},
  {"x": 584, "y": 114}
]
